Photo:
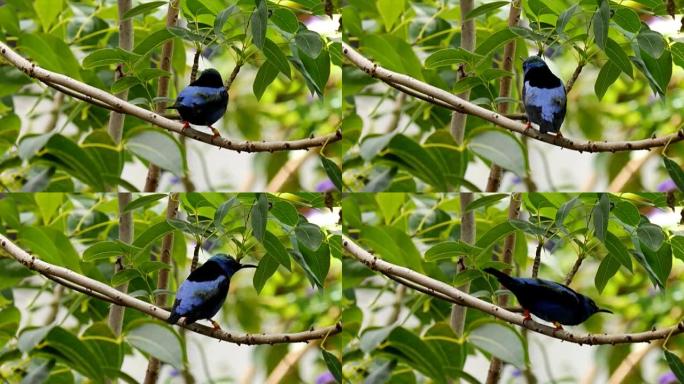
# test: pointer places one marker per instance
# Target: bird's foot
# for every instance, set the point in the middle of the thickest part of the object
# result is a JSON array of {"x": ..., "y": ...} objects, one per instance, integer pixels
[
  {"x": 559, "y": 135},
  {"x": 526, "y": 314},
  {"x": 186, "y": 125},
  {"x": 216, "y": 325},
  {"x": 215, "y": 132},
  {"x": 528, "y": 126},
  {"x": 558, "y": 327}
]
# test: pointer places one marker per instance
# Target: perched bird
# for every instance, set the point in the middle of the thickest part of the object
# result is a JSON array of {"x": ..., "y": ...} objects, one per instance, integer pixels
[
  {"x": 202, "y": 294},
  {"x": 548, "y": 300},
  {"x": 204, "y": 101},
  {"x": 544, "y": 96}
]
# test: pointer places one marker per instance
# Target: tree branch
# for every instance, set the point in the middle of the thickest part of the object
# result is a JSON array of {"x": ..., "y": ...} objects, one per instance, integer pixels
[
  {"x": 116, "y": 119},
  {"x": 464, "y": 106},
  {"x": 122, "y": 106},
  {"x": 122, "y": 299},
  {"x": 116, "y": 312},
  {"x": 458, "y": 312},
  {"x": 455, "y": 295}
]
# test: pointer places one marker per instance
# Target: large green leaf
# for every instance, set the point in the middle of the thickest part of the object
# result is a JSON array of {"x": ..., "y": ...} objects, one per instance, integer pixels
[
  {"x": 158, "y": 148},
  {"x": 259, "y": 216},
  {"x": 499, "y": 148},
  {"x": 157, "y": 340},
  {"x": 414, "y": 351},
  {"x": 276, "y": 250},
  {"x": 675, "y": 171},
  {"x": 618, "y": 250},
  {"x": 600, "y": 216},
  {"x": 416, "y": 160},
  {"x": 500, "y": 341}
]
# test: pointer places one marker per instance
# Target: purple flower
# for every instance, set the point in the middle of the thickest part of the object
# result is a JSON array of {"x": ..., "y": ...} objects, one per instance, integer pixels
[
  {"x": 326, "y": 378},
  {"x": 517, "y": 180},
  {"x": 325, "y": 186},
  {"x": 517, "y": 373},
  {"x": 667, "y": 186},
  {"x": 175, "y": 180},
  {"x": 208, "y": 245},
  {"x": 667, "y": 378},
  {"x": 175, "y": 373}
]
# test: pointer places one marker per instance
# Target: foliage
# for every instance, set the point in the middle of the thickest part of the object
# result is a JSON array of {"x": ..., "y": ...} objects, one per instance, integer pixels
[
  {"x": 288, "y": 87},
  {"x": 629, "y": 88},
  {"x": 295, "y": 287},
  {"x": 629, "y": 245}
]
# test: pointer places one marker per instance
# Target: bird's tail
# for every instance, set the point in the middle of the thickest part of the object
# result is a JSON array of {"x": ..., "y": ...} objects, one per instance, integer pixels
[
  {"x": 173, "y": 319},
  {"x": 503, "y": 278}
]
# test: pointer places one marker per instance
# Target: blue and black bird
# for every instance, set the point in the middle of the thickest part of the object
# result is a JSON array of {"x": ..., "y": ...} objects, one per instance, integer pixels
[
  {"x": 544, "y": 96},
  {"x": 202, "y": 294},
  {"x": 548, "y": 300},
  {"x": 204, "y": 101}
]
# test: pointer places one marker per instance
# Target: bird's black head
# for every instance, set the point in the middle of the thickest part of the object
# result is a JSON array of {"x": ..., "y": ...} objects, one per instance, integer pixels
[
  {"x": 533, "y": 62},
  {"x": 590, "y": 307},
  {"x": 209, "y": 78},
  {"x": 229, "y": 264}
]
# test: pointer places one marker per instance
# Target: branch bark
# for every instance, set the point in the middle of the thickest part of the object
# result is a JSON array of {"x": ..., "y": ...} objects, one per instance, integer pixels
[
  {"x": 440, "y": 289},
  {"x": 116, "y": 312},
  {"x": 458, "y": 119},
  {"x": 90, "y": 92},
  {"x": 458, "y": 312},
  {"x": 116, "y": 119},
  {"x": 122, "y": 299},
  {"x": 457, "y": 104}
]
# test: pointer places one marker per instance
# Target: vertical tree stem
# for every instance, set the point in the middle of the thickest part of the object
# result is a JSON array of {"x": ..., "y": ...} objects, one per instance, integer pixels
[
  {"x": 458, "y": 120},
  {"x": 495, "y": 172},
  {"x": 116, "y": 312},
  {"x": 153, "y": 365},
  {"x": 116, "y": 119},
  {"x": 153, "y": 171},
  {"x": 458, "y": 312}
]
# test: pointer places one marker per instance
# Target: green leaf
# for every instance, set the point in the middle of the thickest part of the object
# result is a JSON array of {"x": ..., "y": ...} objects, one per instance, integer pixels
[
  {"x": 108, "y": 56},
  {"x": 152, "y": 40},
  {"x": 158, "y": 148},
  {"x": 124, "y": 83},
  {"x": 152, "y": 233},
  {"x": 316, "y": 71},
  {"x": 677, "y": 243},
  {"x": 47, "y": 11},
  {"x": 390, "y": 10},
  {"x": 223, "y": 210},
  {"x": 317, "y": 261},
  {"x": 675, "y": 171},
  {"x": 51, "y": 245},
  {"x": 157, "y": 340},
  {"x": 276, "y": 250},
  {"x": 565, "y": 17},
  {"x": 142, "y": 9},
  {"x": 677, "y": 50},
  {"x": 449, "y": 56},
  {"x": 606, "y": 270},
  {"x": 51, "y": 53},
  {"x": 334, "y": 365},
  {"x": 48, "y": 204},
  {"x": 266, "y": 268},
  {"x": 607, "y": 76},
  {"x": 650, "y": 235},
  {"x": 494, "y": 41},
  {"x": 264, "y": 77},
  {"x": 660, "y": 261},
  {"x": 333, "y": 171},
  {"x": 276, "y": 57},
  {"x": 309, "y": 235},
  {"x": 124, "y": 276},
  {"x": 652, "y": 42},
  {"x": 260, "y": 216},
  {"x": 309, "y": 42},
  {"x": 285, "y": 19},
  {"x": 259, "y": 23},
  {"x": 675, "y": 364},
  {"x": 28, "y": 339},
  {"x": 106, "y": 249},
  {"x": 285, "y": 212},
  {"x": 601, "y": 21},
  {"x": 660, "y": 69},
  {"x": 500, "y": 341},
  {"x": 564, "y": 211},
  {"x": 627, "y": 213},
  {"x": 600, "y": 216},
  {"x": 485, "y": 201},
  {"x": 222, "y": 17},
  {"x": 485, "y": 8},
  {"x": 415, "y": 352},
  {"x": 627, "y": 19},
  {"x": 494, "y": 234},
  {"x": 499, "y": 148},
  {"x": 144, "y": 201},
  {"x": 618, "y": 250},
  {"x": 450, "y": 249},
  {"x": 417, "y": 161},
  {"x": 618, "y": 56},
  {"x": 389, "y": 204},
  {"x": 71, "y": 158},
  {"x": 71, "y": 351}
]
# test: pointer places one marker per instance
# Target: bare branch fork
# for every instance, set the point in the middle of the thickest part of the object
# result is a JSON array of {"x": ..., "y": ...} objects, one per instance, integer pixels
[
  {"x": 441, "y": 290},
  {"x": 440, "y": 97},
  {"x": 99, "y": 97},
  {"x": 100, "y": 290}
]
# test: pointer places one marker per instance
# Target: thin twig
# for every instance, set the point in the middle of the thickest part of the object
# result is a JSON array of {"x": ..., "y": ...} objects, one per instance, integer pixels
[
  {"x": 152, "y": 310},
  {"x": 122, "y": 106},
  {"x": 460, "y": 105},
  {"x": 573, "y": 78},
  {"x": 537, "y": 258},
  {"x": 455, "y": 295}
]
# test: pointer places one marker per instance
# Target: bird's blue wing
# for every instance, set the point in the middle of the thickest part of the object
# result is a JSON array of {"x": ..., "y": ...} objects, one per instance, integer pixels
[
  {"x": 545, "y": 289},
  {"x": 545, "y": 105},
  {"x": 194, "y": 297}
]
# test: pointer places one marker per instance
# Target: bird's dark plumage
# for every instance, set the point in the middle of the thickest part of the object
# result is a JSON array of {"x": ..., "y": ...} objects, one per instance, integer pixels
[
  {"x": 548, "y": 300},
  {"x": 202, "y": 294},
  {"x": 544, "y": 96},
  {"x": 204, "y": 101}
]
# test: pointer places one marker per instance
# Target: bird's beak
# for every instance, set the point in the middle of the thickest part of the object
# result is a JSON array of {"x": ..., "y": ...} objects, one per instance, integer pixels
[
  {"x": 243, "y": 266},
  {"x": 604, "y": 310}
]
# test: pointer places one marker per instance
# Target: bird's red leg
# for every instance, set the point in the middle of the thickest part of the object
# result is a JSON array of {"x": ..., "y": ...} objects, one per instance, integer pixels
[
  {"x": 215, "y": 131},
  {"x": 559, "y": 327},
  {"x": 526, "y": 313},
  {"x": 528, "y": 126},
  {"x": 216, "y": 325},
  {"x": 186, "y": 125}
]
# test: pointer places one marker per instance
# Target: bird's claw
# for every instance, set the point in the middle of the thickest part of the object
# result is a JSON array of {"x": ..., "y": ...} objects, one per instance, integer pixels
[
  {"x": 215, "y": 132},
  {"x": 186, "y": 125},
  {"x": 216, "y": 325},
  {"x": 526, "y": 314},
  {"x": 558, "y": 327},
  {"x": 528, "y": 126}
]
